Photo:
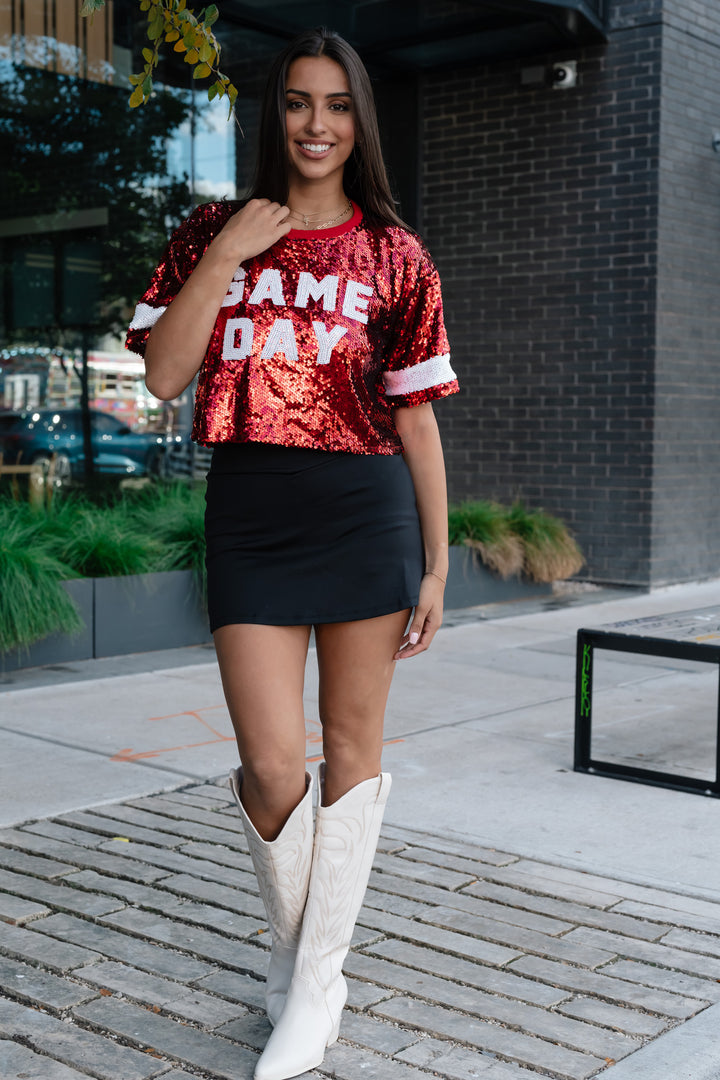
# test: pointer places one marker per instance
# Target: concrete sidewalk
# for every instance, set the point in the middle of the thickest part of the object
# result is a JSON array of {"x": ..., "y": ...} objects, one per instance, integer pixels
[{"x": 522, "y": 918}]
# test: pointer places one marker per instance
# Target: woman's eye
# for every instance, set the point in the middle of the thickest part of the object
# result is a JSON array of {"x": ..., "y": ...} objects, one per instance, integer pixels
[
  {"x": 297, "y": 104},
  {"x": 339, "y": 106}
]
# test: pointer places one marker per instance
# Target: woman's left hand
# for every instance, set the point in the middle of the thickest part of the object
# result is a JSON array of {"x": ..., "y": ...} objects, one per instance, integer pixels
[{"x": 426, "y": 620}]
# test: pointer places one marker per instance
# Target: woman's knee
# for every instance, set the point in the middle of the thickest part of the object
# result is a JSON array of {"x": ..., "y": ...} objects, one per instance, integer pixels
[
  {"x": 269, "y": 774},
  {"x": 348, "y": 748}
]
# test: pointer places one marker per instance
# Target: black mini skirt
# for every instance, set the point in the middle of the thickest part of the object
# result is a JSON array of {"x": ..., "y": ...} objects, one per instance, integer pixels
[{"x": 304, "y": 537}]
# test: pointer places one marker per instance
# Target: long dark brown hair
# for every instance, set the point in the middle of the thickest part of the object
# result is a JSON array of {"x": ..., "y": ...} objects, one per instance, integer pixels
[{"x": 365, "y": 178}]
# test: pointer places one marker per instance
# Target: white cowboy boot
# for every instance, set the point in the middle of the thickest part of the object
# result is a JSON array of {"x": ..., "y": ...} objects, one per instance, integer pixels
[
  {"x": 282, "y": 867},
  {"x": 346, "y": 836}
]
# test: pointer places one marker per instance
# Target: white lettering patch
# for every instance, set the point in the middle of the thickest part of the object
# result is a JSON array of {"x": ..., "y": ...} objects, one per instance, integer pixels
[
  {"x": 310, "y": 288},
  {"x": 281, "y": 339},
  {"x": 231, "y": 350},
  {"x": 327, "y": 340},
  {"x": 357, "y": 298},
  {"x": 269, "y": 287},
  {"x": 236, "y": 289}
]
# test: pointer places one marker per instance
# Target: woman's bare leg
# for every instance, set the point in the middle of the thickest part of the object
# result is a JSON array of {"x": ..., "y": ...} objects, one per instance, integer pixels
[
  {"x": 355, "y": 661},
  {"x": 263, "y": 673}
]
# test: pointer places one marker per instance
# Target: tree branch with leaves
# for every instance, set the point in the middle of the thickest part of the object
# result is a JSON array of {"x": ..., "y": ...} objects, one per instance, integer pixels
[{"x": 172, "y": 22}]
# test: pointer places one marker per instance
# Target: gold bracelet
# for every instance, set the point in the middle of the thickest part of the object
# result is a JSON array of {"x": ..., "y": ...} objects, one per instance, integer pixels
[{"x": 435, "y": 574}]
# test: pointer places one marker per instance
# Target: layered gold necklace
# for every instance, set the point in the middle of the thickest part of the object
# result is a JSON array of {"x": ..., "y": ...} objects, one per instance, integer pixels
[{"x": 308, "y": 219}]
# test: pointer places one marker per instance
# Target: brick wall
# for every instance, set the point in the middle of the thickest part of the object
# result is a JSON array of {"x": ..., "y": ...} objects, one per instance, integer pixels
[
  {"x": 686, "y": 505},
  {"x": 540, "y": 207}
]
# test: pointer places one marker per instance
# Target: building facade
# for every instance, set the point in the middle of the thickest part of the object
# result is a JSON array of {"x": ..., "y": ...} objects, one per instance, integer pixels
[
  {"x": 577, "y": 234},
  {"x": 557, "y": 157}
]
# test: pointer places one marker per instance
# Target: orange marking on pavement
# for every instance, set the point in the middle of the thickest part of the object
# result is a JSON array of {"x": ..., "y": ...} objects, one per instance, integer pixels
[
  {"x": 129, "y": 755},
  {"x": 196, "y": 714},
  {"x": 313, "y": 736}
]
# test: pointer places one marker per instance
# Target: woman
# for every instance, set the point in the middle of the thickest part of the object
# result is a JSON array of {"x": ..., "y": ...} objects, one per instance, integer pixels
[{"x": 314, "y": 317}]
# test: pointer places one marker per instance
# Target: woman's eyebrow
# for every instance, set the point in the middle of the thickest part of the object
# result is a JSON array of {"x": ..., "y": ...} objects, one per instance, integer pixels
[{"x": 304, "y": 93}]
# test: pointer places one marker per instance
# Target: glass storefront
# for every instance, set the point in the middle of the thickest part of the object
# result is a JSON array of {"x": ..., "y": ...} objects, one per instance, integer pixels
[{"x": 90, "y": 191}]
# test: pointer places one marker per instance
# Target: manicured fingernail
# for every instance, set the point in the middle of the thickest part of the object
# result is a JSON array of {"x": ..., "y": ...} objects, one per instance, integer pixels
[{"x": 414, "y": 638}]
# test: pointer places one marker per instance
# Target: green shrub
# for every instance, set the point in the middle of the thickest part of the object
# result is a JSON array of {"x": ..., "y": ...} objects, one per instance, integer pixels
[
  {"x": 174, "y": 515},
  {"x": 33, "y": 602},
  {"x": 484, "y": 527},
  {"x": 157, "y": 528},
  {"x": 516, "y": 540},
  {"x": 551, "y": 553}
]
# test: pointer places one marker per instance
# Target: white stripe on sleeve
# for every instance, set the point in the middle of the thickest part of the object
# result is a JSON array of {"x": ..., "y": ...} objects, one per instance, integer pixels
[
  {"x": 422, "y": 376},
  {"x": 145, "y": 316}
]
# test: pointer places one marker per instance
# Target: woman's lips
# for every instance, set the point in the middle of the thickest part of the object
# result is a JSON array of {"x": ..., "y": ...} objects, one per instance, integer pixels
[{"x": 314, "y": 151}]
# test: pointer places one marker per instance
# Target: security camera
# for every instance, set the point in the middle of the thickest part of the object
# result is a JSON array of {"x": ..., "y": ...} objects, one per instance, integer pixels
[{"x": 563, "y": 75}]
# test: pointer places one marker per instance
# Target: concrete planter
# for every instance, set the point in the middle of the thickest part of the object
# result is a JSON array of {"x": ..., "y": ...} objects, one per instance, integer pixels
[
  {"x": 60, "y": 648},
  {"x": 137, "y": 613},
  {"x": 470, "y": 583},
  {"x": 145, "y": 612},
  {"x": 148, "y": 611}
]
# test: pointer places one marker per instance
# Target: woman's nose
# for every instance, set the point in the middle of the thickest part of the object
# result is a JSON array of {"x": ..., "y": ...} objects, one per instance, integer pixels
[{"x": 315, "y": 121}]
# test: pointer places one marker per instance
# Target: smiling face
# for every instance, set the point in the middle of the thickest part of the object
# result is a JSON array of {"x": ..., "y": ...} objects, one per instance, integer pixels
[{"x": 319, "y": 123}]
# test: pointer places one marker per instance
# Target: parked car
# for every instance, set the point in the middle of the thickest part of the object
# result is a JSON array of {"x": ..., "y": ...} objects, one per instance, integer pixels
[{"x": 35, "y": 435}]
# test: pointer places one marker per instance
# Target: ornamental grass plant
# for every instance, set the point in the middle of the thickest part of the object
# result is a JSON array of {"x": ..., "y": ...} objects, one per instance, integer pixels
[
  {"x": 550, "y": 552},
  {"x": 174, "y": 514},
  {"x": 483, "y": 526},
  {"x": 516, "y": 540},
  {"x": 103, "y": 541},
  {"x": 33, "y": 602},
  {"x": 156, "y": 528}
]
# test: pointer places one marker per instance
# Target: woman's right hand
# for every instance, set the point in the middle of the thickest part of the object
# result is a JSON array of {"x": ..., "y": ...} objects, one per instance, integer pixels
[{"x": 253, "y": 229}]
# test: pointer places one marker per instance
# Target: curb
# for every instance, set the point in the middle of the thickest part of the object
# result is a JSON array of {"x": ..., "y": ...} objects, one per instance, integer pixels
[{"x": 688, "y": 1052}]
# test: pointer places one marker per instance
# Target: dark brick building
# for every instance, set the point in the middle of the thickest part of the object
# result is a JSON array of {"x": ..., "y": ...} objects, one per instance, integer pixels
[{"x": 577, "y": 233}]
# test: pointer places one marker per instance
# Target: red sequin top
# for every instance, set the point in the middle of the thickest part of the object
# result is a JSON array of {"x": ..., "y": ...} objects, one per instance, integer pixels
[{"x": 316, "y": 338}]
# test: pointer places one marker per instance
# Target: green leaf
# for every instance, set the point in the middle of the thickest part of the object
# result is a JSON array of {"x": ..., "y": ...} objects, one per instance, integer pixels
[
  {"x": 156, "y": 27},
  {"x": 212, "y": 91},
  {"x": 219, "y": 88},
  {"x": 211, "y": 15},
  {"x": 207, "y": 53},
  {"x": 148, "y": 55},
  {"x": 147, "y": 87},
  {"x": 202, "y": 71},
  {"x": 91, "y": 6},
  {"x": 136, "y": 98}
]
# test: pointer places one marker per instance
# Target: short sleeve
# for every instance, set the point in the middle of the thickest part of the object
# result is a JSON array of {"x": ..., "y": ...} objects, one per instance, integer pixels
[
  {"x": 417, "y": 367},
  {"x": 187, "y": 246}
]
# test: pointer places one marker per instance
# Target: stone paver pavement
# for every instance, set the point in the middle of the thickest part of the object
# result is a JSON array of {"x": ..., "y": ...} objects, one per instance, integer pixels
[{"x": 133, "y": 946}]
